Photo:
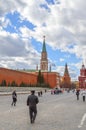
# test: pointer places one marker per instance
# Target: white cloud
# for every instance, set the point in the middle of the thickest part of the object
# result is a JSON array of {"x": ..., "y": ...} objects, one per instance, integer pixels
[
  {"x": 11, "y": 45},
  {"x": 17, "y": 52},
  {"x": 4, "y": 22},
  {"x": 25, "y": 32},
  {"x": 61, "y": 59},
  {"x": 60, "y": 69}
]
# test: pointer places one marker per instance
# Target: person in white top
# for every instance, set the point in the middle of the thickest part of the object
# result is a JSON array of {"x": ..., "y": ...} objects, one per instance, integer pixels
[{"x": 83, "y": 94}]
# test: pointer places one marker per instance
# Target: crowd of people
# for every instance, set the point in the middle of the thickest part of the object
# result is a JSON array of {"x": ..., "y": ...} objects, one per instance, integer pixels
[{"x": 56, "y": 91}]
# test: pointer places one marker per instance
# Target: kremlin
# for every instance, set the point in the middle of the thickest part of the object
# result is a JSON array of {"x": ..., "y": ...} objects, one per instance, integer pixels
[{"x": 9, "y": 77}]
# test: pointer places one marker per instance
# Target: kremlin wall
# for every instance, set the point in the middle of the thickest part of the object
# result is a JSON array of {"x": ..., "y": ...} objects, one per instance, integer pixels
[
  {"x": 27, "y": 77},
  {"x": 12, "y": 75}
]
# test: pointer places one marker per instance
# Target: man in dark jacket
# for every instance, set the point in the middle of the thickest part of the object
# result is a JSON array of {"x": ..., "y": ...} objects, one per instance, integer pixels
[
  {"x": 14, "y": 97},
  {"x": 32, "y": 102},
  {"x": 77, "y": 94}
]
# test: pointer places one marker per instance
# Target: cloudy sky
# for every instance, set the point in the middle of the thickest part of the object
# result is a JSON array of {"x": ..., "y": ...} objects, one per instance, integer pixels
[{"x": 23, "y": 23}]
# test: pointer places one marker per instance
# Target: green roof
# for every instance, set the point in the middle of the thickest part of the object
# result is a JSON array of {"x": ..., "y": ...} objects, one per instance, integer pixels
[{"x": 44, "y": 46}]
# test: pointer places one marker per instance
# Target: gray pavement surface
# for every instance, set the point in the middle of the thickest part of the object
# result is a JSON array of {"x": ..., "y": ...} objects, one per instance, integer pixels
[{"x": 55, "y": 112}]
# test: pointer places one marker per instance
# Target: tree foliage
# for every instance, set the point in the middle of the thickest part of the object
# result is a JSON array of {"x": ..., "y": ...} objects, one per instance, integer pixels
[{"x": 40, "y": 78}]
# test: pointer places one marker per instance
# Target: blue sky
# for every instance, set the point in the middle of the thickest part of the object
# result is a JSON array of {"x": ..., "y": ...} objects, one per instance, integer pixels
[{"x": 23, "y": 25}]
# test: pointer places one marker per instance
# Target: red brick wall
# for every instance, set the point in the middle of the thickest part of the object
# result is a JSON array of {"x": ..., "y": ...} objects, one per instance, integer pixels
[
  {"x": 17, "y": 76},
  {"x": 30, "y": 78},
  {"x": 50, "y": 77}
]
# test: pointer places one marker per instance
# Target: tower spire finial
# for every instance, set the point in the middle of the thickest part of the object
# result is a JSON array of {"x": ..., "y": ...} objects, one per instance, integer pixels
[{"x": 44, "y": 39}]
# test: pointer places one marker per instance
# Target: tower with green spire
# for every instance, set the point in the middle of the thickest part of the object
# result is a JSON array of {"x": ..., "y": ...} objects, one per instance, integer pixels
[
  {"x": 44, "y": 46},
  {"x": 44, "y": 60}
]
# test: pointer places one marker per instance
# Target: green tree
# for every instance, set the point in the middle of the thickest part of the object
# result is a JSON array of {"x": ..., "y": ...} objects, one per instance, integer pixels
[
  {"x": 3, "y": 83},
  {"x": 9, "y": 84},
  {"x": 22, "y": 84},
  {"x": 13, "y": 84},
  {"x": 40, "y": 78}
]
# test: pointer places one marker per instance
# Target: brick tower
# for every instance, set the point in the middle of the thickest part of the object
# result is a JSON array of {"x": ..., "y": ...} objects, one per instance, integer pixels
[
  {"x": 82, "y": 77},
  {"x": 66, "y": 80},
  {"x": 44, "y": 60}
]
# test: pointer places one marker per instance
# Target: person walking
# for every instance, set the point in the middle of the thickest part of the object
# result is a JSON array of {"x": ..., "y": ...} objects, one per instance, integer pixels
[
  {"x": 83, "y": 95},
  {"x": 77, "y": 94},
  {"x": 32, "y": 102},
  {"x": 14, "y": 98},
  {"x": 41, "y": 93}
]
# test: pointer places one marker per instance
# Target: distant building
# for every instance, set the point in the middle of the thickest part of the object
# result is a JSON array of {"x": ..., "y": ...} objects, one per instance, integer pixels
[
  {"x": 75, "y": 84},
  {"x": 66, "y": 80},
  {"x": 82, "y": 77}
]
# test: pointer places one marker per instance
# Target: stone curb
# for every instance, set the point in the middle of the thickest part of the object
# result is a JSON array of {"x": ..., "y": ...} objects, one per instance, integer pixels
[{"x": 10, "y": 93}]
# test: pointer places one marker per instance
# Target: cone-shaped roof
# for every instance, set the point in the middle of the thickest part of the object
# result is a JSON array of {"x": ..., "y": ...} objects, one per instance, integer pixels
[
  {"x": 66, "y": 70},
  {"x": 83, "y": 66},
  {"x": 44, "y": 46}
]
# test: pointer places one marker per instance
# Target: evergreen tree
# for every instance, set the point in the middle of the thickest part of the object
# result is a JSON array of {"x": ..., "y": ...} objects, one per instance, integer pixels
[
  {"x": 13, "y": 83},
  {"x": 22, "y": 84},
  {"x": 3, "y": 83},
  {"x": 9, "y": 84},
  {"x": 40, "y": 78}
]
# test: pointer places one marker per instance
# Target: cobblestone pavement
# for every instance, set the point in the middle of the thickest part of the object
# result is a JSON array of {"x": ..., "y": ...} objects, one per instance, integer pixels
[{"x": 55, "y": 112}]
